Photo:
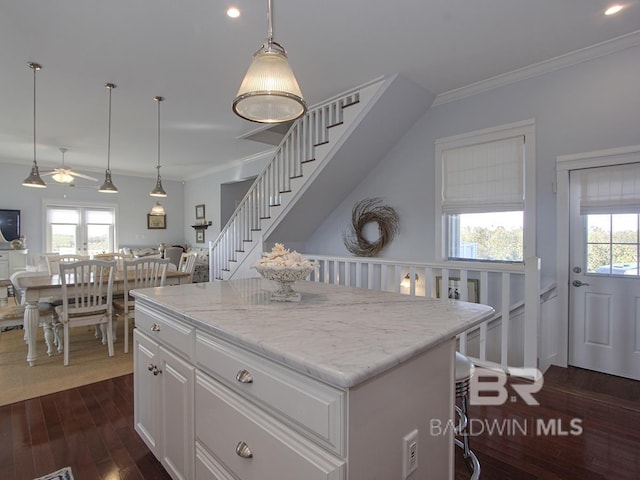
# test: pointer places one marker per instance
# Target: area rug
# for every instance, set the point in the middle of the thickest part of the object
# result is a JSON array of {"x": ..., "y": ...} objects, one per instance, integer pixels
[
  {"x": 62, "y": 474},
  {"x": 89, "y": 362}
]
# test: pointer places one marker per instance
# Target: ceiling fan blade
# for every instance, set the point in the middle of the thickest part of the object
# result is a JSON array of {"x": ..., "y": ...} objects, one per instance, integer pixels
[
  {"x": 49, "y": 172},
  {"x": 82, "y": 175}
]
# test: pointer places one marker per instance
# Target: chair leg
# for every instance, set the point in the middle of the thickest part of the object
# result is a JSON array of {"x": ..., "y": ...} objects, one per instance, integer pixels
[
  {"x": 66, "y": 344},
  {"x": 110, "y": 336},
  {"x": 126, "y": 333},
  {"x": 114, "y": 328}
]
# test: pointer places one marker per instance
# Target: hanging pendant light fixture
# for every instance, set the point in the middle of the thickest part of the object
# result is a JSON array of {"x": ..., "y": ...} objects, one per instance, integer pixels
[
  {"x": 269, "y": 92},
  {"x": 158, "y": 191},
  {"x": 157, "y": 209},
  {"x": 34, "y": 179},
  {"x": 108, "y": 186}
]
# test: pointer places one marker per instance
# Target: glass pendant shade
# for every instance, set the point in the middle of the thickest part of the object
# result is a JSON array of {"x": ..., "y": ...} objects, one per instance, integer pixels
[
  {"x": 269, "y": 92},
  {"x": 34, "y": 179},
  {"x": 157, "y": 209}
]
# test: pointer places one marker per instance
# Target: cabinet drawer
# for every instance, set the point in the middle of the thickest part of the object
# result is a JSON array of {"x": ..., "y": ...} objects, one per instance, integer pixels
[
  {"x": 277, "y": 452},
  {"x": 313, "y": 405},
  {"x": 175, "y": 335}
]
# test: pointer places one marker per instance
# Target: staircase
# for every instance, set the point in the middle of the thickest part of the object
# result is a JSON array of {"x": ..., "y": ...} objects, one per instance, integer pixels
[{"x": 310, "y": 145}]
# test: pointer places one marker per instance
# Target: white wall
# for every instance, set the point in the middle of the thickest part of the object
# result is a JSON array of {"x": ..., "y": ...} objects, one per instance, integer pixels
[
  {"x": 590, "y": 106},
  {"x": 132, "y": 199}
]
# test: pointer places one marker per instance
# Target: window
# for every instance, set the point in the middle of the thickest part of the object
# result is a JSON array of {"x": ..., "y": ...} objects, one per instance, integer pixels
[
  {"x": 481, "y": 186},
  {"x": 610, "y": 206},
  {"x": 85, "y": 230}
]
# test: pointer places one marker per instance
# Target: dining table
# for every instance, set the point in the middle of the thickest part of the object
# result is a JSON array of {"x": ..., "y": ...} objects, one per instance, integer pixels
[{"x": 38, "y": 287}]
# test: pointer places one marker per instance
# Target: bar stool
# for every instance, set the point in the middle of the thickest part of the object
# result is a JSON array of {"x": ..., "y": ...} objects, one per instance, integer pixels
[{"x": 463, "y": 373}]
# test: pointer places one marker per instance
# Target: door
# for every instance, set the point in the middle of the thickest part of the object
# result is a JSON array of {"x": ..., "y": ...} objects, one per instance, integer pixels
[
  {"x": 80, "y": 230},
  {"x": 177, "y": 379},
  {"x": 604, "y": 298},
  {"x": 146, "y": 401}
]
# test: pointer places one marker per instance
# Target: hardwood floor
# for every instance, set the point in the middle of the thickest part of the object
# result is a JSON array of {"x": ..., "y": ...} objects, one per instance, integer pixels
[
  {"x": 608, "y": 447},
  {"x": 90, "y": 428}
]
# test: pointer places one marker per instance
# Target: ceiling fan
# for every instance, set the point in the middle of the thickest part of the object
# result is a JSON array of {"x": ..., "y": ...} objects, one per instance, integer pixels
[{"x": 64, "y": 174}]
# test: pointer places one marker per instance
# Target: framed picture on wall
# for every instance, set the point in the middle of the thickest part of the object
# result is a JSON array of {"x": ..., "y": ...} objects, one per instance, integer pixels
[
  {"x": 156, "y": 222},
  {"x": 199, "y": 236},
  {"x": 200, "y": 212},
  {"x": 473, "y": 289}
]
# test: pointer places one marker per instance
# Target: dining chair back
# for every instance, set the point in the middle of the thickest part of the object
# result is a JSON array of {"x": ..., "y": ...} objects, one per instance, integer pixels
[
  {"x": 173, "y": 254},
  {"x": 142, "y": 272},
  {"x": 53, "y": 261},
  {"x": 188, "y": 264},
  {"x": 87, "y": 295},
  {"x": 118, "y": 257}
]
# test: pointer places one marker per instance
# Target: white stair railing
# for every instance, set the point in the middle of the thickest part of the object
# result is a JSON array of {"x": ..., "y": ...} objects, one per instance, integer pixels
[{"x": 296, "y": 149}]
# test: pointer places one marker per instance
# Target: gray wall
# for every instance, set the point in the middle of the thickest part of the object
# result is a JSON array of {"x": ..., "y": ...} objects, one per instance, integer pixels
[
  {"x": 206, "y": 189},
  {"x": 132, "y": 199},
  {"x": 590, "y": 106}
]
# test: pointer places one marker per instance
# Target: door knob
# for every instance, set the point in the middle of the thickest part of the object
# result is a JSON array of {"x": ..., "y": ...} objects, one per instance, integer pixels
[{"x": 578, "y": 283}]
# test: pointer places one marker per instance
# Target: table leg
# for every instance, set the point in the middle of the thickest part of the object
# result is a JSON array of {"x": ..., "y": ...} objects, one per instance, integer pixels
[
  {"x": 31, "y": 321},
  {"x": 48, "y": 337}
]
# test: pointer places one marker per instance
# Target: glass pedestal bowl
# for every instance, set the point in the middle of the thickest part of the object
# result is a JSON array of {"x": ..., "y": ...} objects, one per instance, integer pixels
[{"x": 284, "y": 277}]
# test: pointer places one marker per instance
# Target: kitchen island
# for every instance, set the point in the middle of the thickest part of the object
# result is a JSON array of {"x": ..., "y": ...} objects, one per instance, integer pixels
[{"x": 230, "y": 385}]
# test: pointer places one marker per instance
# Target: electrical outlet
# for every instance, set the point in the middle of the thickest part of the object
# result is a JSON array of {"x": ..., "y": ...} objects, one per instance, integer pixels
[{"x": 409, "y": 453}]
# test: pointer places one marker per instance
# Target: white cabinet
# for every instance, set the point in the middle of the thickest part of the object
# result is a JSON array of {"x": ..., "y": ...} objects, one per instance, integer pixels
[
  {"x": 210, "y": 408},
  {"x": 163, "y": 400},
  {"x": 12, "y": 261}
]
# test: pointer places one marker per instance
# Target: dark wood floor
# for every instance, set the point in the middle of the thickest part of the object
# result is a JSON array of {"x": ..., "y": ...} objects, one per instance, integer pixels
[
  {"x": 608, "y": 447},
  {"x": 91, "y": 429}
]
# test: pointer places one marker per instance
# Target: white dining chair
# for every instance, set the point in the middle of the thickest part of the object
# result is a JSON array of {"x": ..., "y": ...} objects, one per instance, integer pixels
[
  {"x": 188, "y": 264},
  {"x": 87, "y": 295},
  {"x": 53, "y": 261},
  {"x": 143, "y": 272}
]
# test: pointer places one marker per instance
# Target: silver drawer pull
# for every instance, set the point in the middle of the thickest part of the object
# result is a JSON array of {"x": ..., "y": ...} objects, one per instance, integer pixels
[
  {"x": 243, "y": 450},
  {"x": 155, "y": 327},
  {"x": 244, "y": 376}
]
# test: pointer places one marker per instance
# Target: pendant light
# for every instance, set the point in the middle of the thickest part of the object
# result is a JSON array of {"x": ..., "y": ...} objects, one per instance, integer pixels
[
  {"x": 108, "y": 186},
  {"x": 34, "y": 179},
  {"x": 269, "y": 92},
  {"x": 158, "y": 191},
  {"x": 157, "y": 209}
]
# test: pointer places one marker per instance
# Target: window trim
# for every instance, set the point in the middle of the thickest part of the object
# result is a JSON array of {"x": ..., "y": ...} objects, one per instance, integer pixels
[{"x": 524, "y": 128}]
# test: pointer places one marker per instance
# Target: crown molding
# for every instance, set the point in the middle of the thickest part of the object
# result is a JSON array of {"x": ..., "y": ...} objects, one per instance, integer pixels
[{"x": 584, "y": 54}]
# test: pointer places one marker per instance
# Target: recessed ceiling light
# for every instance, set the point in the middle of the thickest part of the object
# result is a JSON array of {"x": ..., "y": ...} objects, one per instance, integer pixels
[
  {"x": 612, "y": 10},
  {"x": 233, "y": 12}
]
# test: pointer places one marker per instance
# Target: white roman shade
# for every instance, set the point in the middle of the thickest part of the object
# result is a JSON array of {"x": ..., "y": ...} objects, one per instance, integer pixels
[
  {"x": 487, "y": 177},
  {"x": 614, "y": 189}
]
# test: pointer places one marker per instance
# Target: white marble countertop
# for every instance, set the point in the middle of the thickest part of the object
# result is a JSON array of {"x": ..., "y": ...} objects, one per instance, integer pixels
[{"x": 340, "y": 335}]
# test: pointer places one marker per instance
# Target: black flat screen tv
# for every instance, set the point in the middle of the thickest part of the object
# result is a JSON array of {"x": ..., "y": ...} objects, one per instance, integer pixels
[{"x": 10, "y": 224}]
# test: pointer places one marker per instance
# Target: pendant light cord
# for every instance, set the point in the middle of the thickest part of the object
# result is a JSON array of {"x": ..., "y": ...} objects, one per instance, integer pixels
[
  {"x": 35, "y": 69},
  {"x": 158, "y": 100},
  {"x": 269, "y": 23},
  {"x": 110, "y": 87}
]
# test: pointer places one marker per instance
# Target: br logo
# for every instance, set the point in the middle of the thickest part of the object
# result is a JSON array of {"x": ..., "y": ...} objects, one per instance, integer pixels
[{"x": 488, "y": 386}]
